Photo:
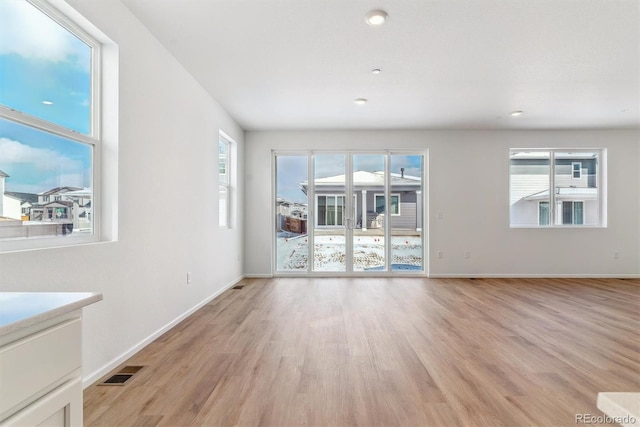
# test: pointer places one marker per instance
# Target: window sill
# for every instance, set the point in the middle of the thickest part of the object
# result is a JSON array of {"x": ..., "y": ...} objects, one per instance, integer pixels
[{"x": 24, "y": 245}]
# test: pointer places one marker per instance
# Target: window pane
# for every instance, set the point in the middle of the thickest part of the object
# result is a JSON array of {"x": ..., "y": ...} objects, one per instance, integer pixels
[
  {"x": 395, "y": 205},
  {"x": 322, "y": 210},
  {"x": 47, "y": 182},
  {"x": 543, "y": 217},
  {"x": 223, "y": 161},
  {"x": 576, "y": 181},
  {"x": 329, "y": 249},
  {"x": 528, "y": 186},
  {"x": 577, "y": 169},
  {"x": 406, "y": 224},
  {"x": 567, "y": 212},
  {"x": 379, "y": 204},
  {"x": 578, "y": 213},
  {"x": 340, "y": 210},
  {"x": 45, "y": 69},
  {"x": 369, "y": 243},
  {"x": 292, "y": 243},
  {"x": 223, "y": 200}
]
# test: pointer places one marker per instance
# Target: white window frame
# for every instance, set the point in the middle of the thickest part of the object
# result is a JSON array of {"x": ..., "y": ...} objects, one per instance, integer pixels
[
  {"x": 555, "y": 213},
  {"x": 376, "y": 195},
  {"x": 66, "y": 17},
  {"x": 224, "y": 181},
  {"x": 579, "y": 170},
  {"x": 344, "y": 207}
]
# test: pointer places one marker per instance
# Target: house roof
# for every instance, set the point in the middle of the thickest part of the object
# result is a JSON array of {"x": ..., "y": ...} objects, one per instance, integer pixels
[
  {"x": 83, "y": 192},
  {"x": 59, "y": 202},
  {"x": 365, "y": 178},
  {"x": 3, "y": 175},
  {"x": 23, "y": 197},
  {"x": 58, "y": 190}
]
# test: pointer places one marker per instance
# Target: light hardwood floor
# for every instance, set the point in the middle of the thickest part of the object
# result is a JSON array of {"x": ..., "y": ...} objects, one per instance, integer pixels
[{"x": 392, "y": 351}]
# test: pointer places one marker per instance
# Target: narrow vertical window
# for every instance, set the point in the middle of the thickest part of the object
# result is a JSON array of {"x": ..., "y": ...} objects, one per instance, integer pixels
[{"x": 224, "y": 180}]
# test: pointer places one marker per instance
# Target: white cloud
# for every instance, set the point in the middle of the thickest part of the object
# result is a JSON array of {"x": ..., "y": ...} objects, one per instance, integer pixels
[
  {"x": 44, "y": 160},
  {"x": 26, "y": 31}
]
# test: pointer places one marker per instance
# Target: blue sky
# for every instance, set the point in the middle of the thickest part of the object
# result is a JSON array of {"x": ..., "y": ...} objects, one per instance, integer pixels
[
  {"x": 292, "y": 170},
  {"x": 41, "y": 61}
]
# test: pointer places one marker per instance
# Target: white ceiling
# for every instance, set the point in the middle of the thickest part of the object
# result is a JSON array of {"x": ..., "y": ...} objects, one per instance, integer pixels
[{"x": 446, "y": 64}]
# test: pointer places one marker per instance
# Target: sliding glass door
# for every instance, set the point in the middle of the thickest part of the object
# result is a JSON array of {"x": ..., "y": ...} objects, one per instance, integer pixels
[
  {"x": 330, "y": 215},
  {"x": 361, "y": 213}
]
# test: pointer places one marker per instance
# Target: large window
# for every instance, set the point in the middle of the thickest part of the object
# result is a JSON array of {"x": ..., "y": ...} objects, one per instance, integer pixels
[
  {"x": 556, "y": 188},
  {"x": 49, "y": 125}
]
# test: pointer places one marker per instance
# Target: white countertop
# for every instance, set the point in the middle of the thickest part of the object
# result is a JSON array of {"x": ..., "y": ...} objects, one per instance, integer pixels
[
  {"x": 622, "y": 407},
  {"x": 19, "y": 310}
]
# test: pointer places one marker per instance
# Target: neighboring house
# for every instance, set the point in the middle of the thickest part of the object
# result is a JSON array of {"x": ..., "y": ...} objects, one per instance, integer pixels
[
  {"x": 368, "y": 201},
  {"x": 576, "y": 189},
  {"x": 10, "y": 205},
  {"x": 58, "y": 193},
  {"x": 288, "y": 208},
  {"x": 291, "y": 216},
  {"x": 27, "y": 201},
  {"x": 68, "y": 207}
]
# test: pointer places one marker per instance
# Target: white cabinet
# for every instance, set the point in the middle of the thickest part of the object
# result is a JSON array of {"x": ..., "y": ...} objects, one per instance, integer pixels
[
  {"x": 41, "y": 368},
  {"x": 60, "y": 408}
]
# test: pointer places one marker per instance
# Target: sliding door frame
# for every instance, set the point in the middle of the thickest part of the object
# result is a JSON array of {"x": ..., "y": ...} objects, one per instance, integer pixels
[{"x": 349, "y": 208}]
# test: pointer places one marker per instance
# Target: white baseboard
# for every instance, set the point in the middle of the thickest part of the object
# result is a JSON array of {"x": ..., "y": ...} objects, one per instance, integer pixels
[
  {"x": 258, "y": 276},
  {"x": 95, "y": 376}
]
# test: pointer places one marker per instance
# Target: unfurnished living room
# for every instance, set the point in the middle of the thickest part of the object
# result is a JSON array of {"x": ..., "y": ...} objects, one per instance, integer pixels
[{"x": 319, "y": 212}]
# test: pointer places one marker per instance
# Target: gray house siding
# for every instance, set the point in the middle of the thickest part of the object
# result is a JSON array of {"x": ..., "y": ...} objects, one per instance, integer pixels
[{"x": 408, "y": 210}]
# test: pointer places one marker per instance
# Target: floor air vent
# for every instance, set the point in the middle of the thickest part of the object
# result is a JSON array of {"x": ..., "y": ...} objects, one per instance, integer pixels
[
  {"x": 238, "y": 287},
  {"x": 122, "y": 376}
]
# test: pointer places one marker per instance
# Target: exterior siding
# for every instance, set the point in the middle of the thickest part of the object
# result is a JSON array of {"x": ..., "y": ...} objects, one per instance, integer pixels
[{"x": 407, "y": 217}]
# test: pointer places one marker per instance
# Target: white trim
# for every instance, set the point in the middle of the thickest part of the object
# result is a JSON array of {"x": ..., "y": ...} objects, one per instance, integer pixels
[
  {"x": 74, "y": 23},
  {"x": 555, "y": 213},
  {"x": 258, "y": 276},
  {"x": 312, "y": 202},
  {"x": 106, "y": 368},
  {"x": 534, "y": 276},
  {"x": 225, "y": 184}
]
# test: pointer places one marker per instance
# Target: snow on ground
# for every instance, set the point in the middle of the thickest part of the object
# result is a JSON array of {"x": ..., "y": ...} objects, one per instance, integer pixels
[{"x": 368, "y": 253}]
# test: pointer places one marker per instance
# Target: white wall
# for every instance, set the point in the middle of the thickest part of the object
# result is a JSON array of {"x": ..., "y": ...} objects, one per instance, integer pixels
[
  {"x": 469, "y": 183},
  {"x": 167, "y": 205}
]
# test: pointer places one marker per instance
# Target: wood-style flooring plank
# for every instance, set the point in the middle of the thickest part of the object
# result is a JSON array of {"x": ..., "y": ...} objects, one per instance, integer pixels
[{"x": 386, "y": 351}]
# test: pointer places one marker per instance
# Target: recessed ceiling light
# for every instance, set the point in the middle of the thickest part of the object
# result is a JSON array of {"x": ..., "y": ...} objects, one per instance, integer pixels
[
  {"x": 360, "y": 101},
  {"x": 47, "y": 102},
  {"x": 376, "y": 71},
  {"x": 376, "y": 17},
  {"x": 517, "y": 113}
]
